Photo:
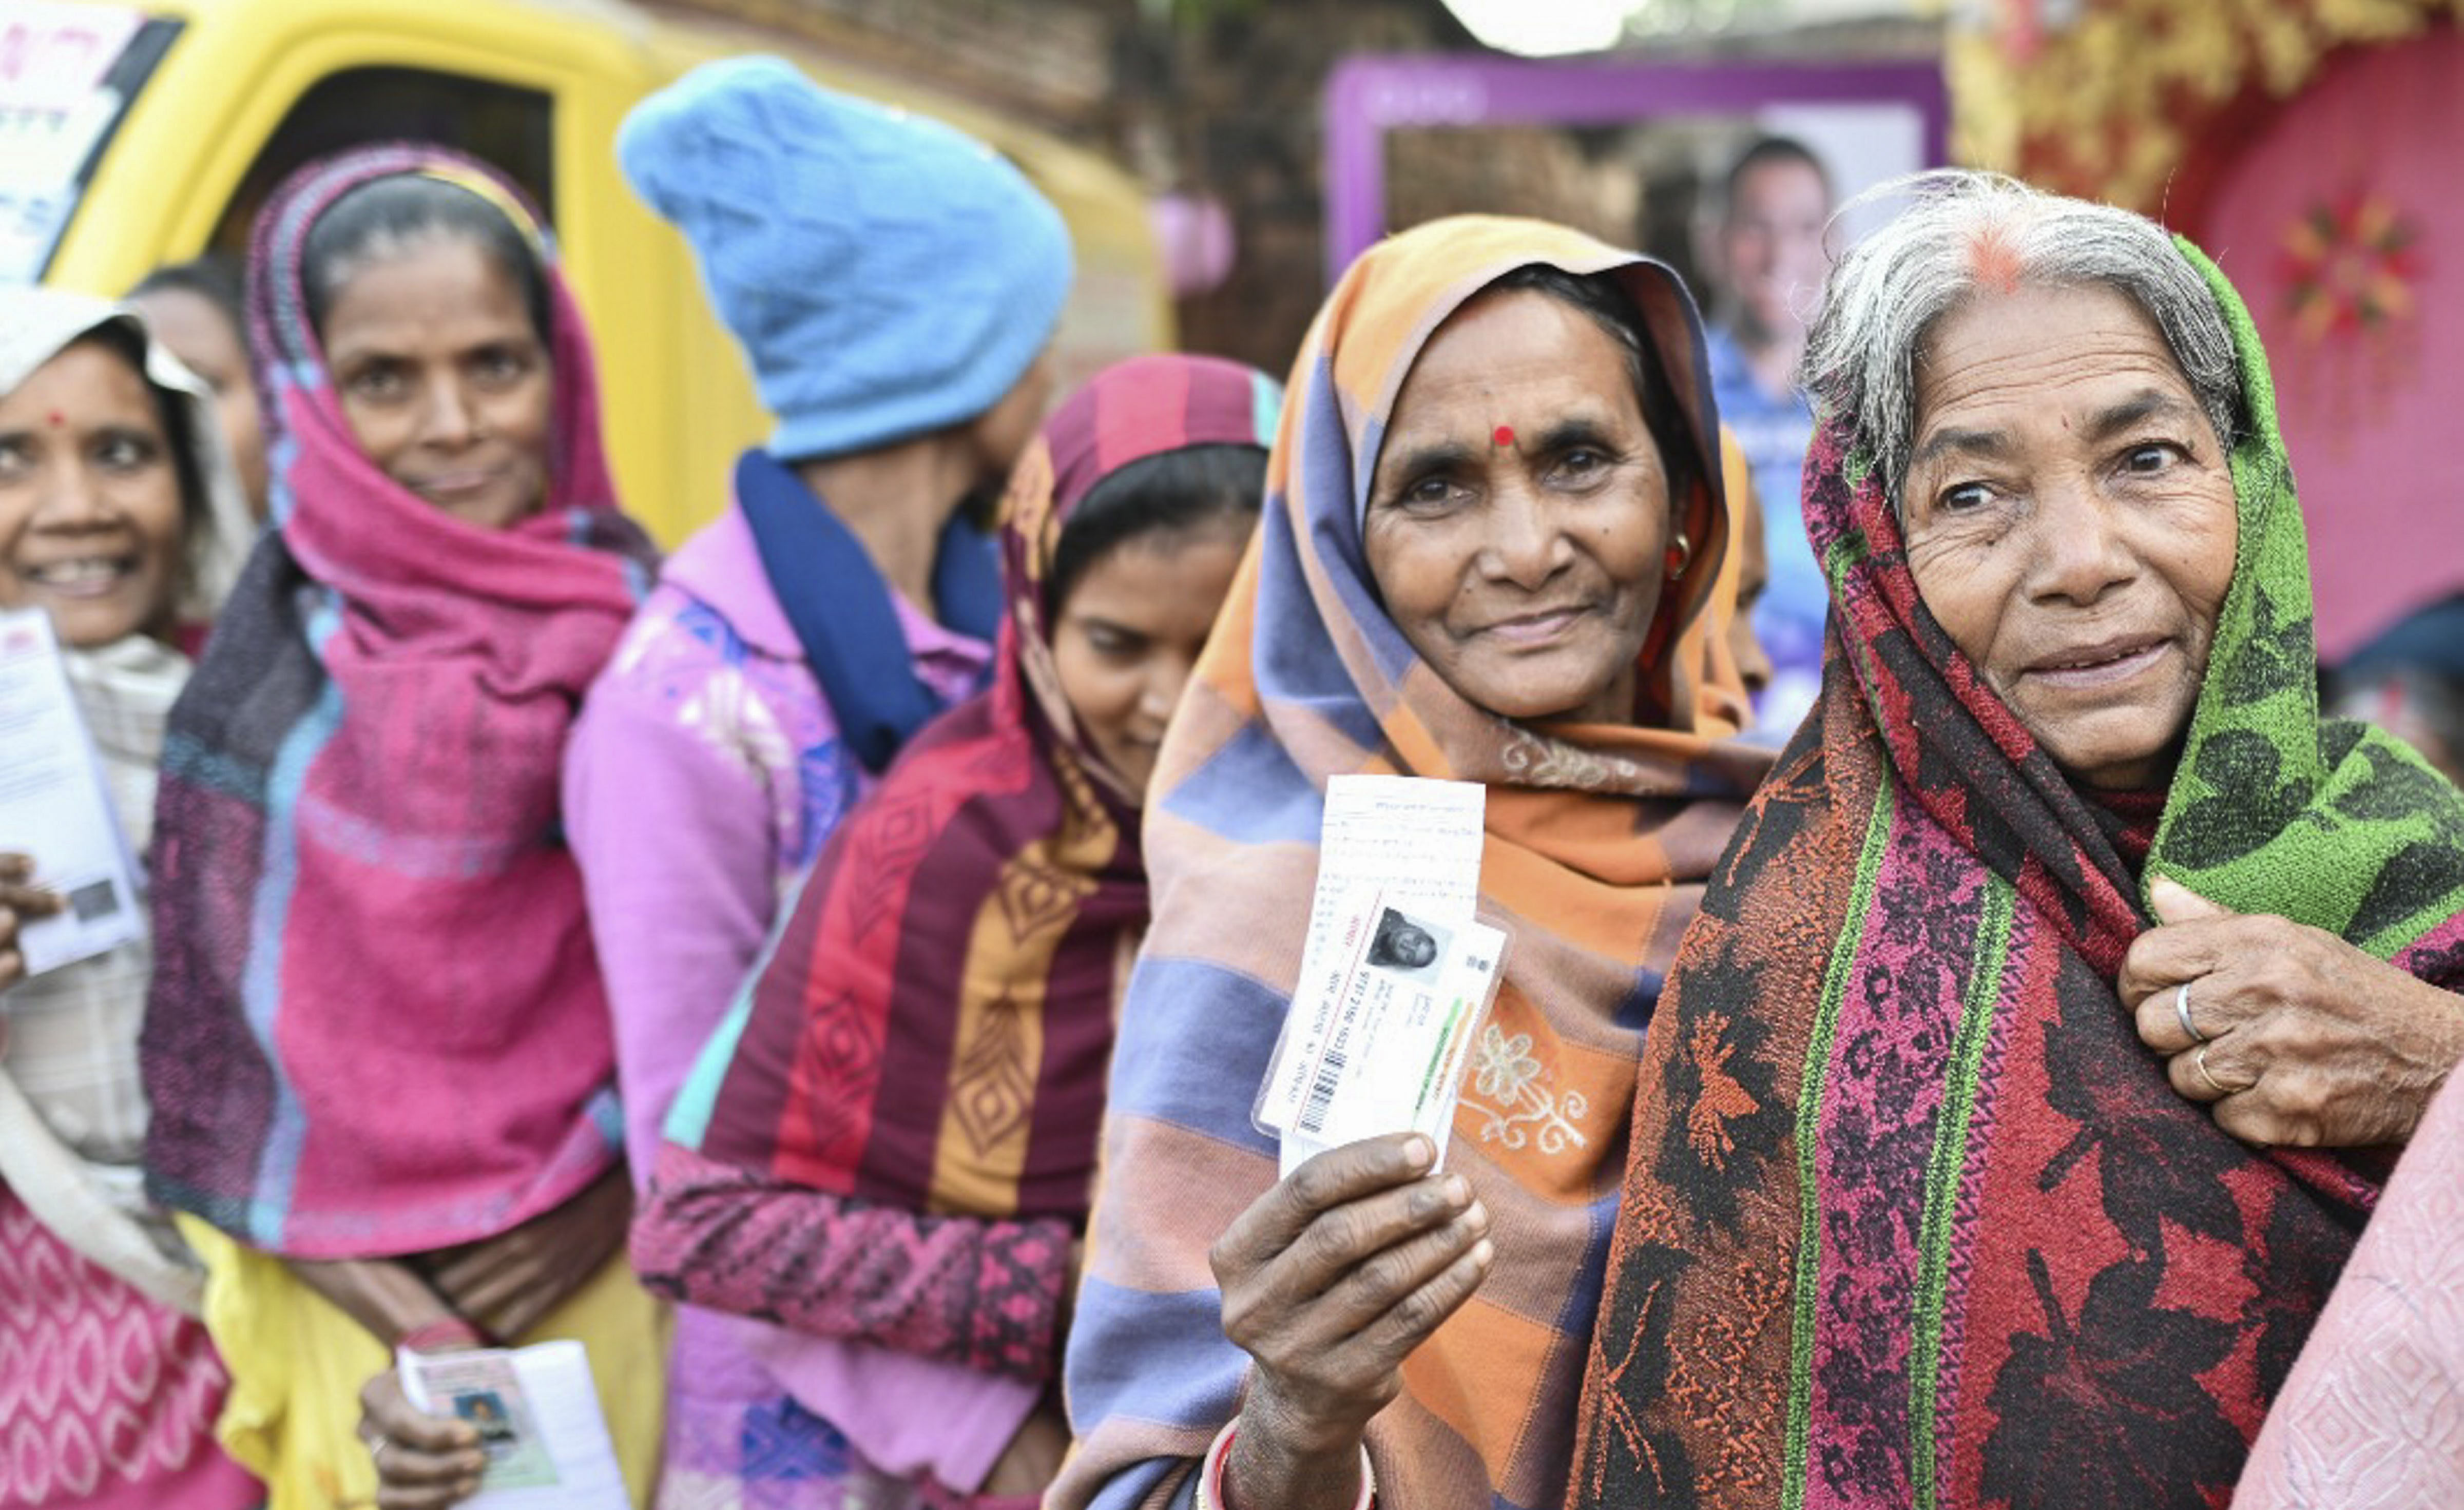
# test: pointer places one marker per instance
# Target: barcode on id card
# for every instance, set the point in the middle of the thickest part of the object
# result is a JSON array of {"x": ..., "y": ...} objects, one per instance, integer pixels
[
  {"x": 1321, "y": 1091},
  {"x": 95, "y": 899}
]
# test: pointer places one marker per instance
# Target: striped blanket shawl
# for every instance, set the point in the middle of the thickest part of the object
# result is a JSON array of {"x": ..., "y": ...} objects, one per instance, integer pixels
[{"x": 1598, "y": 836}]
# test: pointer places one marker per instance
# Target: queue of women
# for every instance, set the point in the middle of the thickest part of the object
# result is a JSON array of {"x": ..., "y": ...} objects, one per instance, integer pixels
[{"x": 828, "y": 973}]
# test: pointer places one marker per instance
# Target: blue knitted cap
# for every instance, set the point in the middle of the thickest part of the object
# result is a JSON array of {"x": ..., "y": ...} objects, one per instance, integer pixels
[{"x": 887, "y": 274}]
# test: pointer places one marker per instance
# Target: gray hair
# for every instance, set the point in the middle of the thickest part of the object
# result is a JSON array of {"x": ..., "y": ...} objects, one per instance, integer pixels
[{"x": 1965, "y": 231}]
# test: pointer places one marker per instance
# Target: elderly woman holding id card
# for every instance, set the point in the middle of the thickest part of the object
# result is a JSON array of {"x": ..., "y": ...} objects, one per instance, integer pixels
[{"x": 1493, "y": 551}]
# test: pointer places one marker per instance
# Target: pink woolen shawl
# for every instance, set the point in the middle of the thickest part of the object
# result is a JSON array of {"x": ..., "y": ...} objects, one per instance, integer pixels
[{"x": 377, "y": 1024}]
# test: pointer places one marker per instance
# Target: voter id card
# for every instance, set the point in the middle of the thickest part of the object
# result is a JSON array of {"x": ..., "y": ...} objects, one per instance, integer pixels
[{"x": 1375, "y": 1043}]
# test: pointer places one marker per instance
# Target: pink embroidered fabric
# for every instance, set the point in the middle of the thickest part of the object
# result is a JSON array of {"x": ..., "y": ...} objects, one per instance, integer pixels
[
  {"x": 986, "y": 1295},
  {"x": 2372, "y": 1416},
  {"x": 107, "y": 1400}
]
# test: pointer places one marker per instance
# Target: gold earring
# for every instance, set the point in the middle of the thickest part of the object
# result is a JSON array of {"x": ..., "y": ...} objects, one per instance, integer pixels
[{"x": 1680, "y": 552}]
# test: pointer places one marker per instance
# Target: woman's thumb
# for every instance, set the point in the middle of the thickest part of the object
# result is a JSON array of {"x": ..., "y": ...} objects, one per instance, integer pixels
[{"x": 2176, "y": 903}]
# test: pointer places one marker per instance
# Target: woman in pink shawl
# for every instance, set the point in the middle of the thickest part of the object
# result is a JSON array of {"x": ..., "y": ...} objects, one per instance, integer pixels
[{"x": 377, "y": 1043}]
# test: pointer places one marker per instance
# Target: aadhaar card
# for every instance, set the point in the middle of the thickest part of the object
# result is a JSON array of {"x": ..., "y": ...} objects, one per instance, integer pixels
[
  {"x": 1415, "y": 839},
  {"x": 1384, "y": 1051},
  {"x": 535, "y": 1411}
]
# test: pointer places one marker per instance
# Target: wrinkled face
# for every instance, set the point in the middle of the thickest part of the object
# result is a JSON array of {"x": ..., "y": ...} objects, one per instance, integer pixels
[
  {"x": 1130, "y": 632},
  {"x": 1753, "y": 576},
  {"x": 445, "y": 383},
  {"x": 2070, "y": 521},
  {"x": 1518, "y": 519},
  {"x": 89, "y": 498},
  {"x": 197, "y": 332},
  {"x": 1771, "y": 246}
]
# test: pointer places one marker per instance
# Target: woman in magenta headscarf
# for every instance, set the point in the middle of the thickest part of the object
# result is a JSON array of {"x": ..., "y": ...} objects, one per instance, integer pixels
[{"x": 378, "y": 1046}]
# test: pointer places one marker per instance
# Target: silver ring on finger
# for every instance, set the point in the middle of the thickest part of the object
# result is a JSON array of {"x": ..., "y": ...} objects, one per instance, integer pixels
[
  {"x": 377, "y": 1450},
  {"x": 2182, "y": 1012}
]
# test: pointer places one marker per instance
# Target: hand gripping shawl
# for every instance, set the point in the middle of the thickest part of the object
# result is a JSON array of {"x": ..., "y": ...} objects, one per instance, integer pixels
[
  {"x": 1912, "y": 1218},
  {"x": 929, "y": 1029},
  {"x": 376, "y": 1026},
  {"x": 1598, "y": 838}
]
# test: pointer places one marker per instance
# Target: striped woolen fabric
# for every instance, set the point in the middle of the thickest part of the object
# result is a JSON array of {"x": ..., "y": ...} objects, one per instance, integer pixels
[
  {"x": 930, "y": 1028},
  {"x": 1599, "y": 838}
]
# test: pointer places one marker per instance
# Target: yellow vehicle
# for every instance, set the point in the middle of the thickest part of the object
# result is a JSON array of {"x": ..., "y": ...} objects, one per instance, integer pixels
[{"x": 137, "y": 133}]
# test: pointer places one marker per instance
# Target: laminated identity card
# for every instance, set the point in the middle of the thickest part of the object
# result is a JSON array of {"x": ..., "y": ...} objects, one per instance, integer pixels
[
  {"x": 538, "y": 1421},
  {"x": 1396, "y": 972},
  {"x": 55, "y": 806}
]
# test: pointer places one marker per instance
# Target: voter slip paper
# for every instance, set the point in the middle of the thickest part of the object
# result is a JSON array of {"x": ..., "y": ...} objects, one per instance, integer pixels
[
  {"x": 1396, "y": 974},
  {"x": 55, "y": 805}
]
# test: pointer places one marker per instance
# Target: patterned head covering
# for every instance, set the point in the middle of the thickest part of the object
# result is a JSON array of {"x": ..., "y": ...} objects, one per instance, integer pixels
[
  {"x": 931, "y": 1027},
  {"x": 376, "y": 1026},
  {"x": 1598, "y": 838},
  {"x": 1912, "y": 1216}
]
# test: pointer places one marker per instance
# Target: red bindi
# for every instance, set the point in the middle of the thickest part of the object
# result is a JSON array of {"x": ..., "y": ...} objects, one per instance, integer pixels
[
  {"x": 57, "y": 419},
  {"x": 1505, "y": 435}
]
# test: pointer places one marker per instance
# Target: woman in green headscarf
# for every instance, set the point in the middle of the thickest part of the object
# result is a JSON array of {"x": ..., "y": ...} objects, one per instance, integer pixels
[{"x": 1968, "y": 1150}]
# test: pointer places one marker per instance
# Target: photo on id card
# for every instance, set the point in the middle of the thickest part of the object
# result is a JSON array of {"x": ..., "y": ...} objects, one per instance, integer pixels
[
  {"x": 1406, "y": 945},
  {"x": 1377, "y": 1042},
  {"x": 481, "y": 1388}
]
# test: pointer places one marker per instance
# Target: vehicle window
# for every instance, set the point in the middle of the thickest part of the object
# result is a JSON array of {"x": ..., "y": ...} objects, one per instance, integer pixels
[
  {"x": 498, "y": 123},
  {"x": 67, "y": 74}
]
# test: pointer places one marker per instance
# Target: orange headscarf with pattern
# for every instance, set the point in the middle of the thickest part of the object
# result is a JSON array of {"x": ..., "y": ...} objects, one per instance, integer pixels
[{"x": 1599, "y": 838}]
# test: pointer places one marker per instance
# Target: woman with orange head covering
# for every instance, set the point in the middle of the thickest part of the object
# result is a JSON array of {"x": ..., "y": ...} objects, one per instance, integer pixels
[{"x": 1491, "y": 551}]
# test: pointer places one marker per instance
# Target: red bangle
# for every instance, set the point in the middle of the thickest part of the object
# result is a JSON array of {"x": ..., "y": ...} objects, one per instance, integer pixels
[
  {"x": 1210, "y": 1472},
  {"x": 441, "y": 1335}
]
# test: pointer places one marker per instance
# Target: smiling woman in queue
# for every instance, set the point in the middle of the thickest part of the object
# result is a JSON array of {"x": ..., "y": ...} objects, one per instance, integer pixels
[
  {"x": 119, "y": 520},
  {"x": 1972, "y": 1153},
  {"x": 1492, "y": 545},
  {"x": 377, "y": 1047}
]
